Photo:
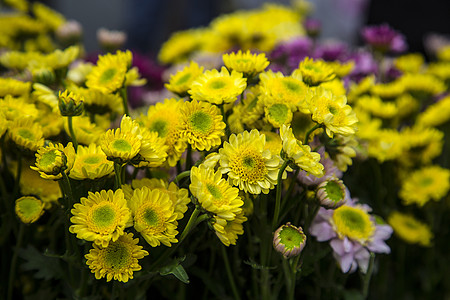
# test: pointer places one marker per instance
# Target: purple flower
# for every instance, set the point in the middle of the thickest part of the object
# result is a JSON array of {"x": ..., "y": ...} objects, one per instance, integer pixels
[
  {"x": 331, "y": 51},
  {"x": 364, "y": 65},
  {"x": 383, "y": 38},
  {"x": 290, "y": 53},
  {"x": 312, "y": 27}
]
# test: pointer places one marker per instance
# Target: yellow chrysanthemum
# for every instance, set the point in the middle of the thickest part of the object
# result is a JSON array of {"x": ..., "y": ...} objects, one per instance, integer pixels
[
  {"x": 385, "y": 144},
  {"x": 273, "y": 142},
  {"x": 341, "y": 69},
  {"x": 182, "y": 81},
  {"x": 407, "y": 105},
  {"x": 70, "y": 104},
  {"x": 422, "y": 86},
  {"x": 51, "y": 122},
  {"x": 12, "y": 108},
  {"x": 118, "y": 260},
  {"x": 389, "y": 90},
  {"x": 422, "y": 144},
  {"x": 336, "y": 86},
  {"x": 29, "y": 209},
  {"x": 440, "y": 70},
  {"x": 410, "y": 229},
  {"x": 363, "y": 87},
  {"x": 201, "y": 125},
  {"x": 409, "y": 63},
  {"x": 444, "y": 53},
  {"x": 436, "y": 114},
  {"x": 353, "y": 223},
  {"x": 218, "y": 87},
  {"x": 181, "y": 45},
  {"x": 425, "y": 184},
  {"x": 120, "y": 144},
  {"x": 314, "y": 72},
  {"x": 77, "y": 74},
  {"x": 85, "y": 131},
  {"x": 26, "y": 134},
  {"x": 165, "y": 118},
  {"x": 45, "y": 95},
  {"x": 153, "y": 152},
  {"x": 98, "y": 102},
  {"x": 277, "y": 114},
  {"x": 154, "y": 216},
  {"x": 247, "y": 63},
  {"x": 333, "y": 112},
  {"x": 248, "y": 165},
  {"x": 377, "y": 107},
  {"x": 53, "y": 159},
  {"x": 214, "y": 193},
  {"x": 14, "y": 87},
  {"x": 47, "y": 15},
  {"x": 109, "y": 73},
  {"x": 91, "y": 163},
  {"x": 61, "y": 58},
  {"x": 101, "y": 217},
  {"x": 301, "y": 155},
  {"x": 228, "y": 231}
]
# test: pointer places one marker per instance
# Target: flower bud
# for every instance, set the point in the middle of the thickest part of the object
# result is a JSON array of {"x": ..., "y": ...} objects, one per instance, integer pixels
[
  {"x": 331, "y": 193},
  {"x": 289, "y": 240},
  {"x": 29, "y": 209},
  {"x": 70, "y": 104}
]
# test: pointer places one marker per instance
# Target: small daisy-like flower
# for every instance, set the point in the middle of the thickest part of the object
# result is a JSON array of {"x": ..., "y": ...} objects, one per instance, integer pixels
[
  {"x": 301, "y": 155},
  {"x": 331, "y": 193},
  {"x": 91, "y": 163},
  {"x": 314, "y": 72},
  {"x": 422, "y": 86},
  {"x": 48, "y": 16},
  {"x": 354, "y": 223},
  {"x": 109, "y": 73},
  {"x": 218, "y": 87},
  {"x": 214, "y": 193},
  {"x": 101, "y": 217},
  {"x": 228, "y": 231},
  {"x": 273, "y": 142},
  {"x": 410, "y": 229},
  {"x": 378, "y": 107},
  {"x": 436, "y": 114},
  {"x": 333, "y": 112},
  {"x": 12, "y": 107},
  {"x": 98, "y": 102},
  {"x": 409, "y": 63},
  {"x": 87, "y": 132},
  {"x": 54, "y": 159},
  {"x": 153, "y": 152},
  {"x": 14, "y": 87},
  {"x": 26, "y": 134},
  {"x": 70, "y": 104},
  {"x": 248, "y": 164},
  {"x": 118, "y": 260},
  {"x": 154, "y": 216},
  {"x": 247, "y": 63},
  {"x": 201, "y": 125},
  {"x": 422, "y": 144},
  {"x": 425, "y": 184},
  {"x": 29, "y": 209},
  {"x": 289, "y": 240},
  {"x": 181, "y": 82}
]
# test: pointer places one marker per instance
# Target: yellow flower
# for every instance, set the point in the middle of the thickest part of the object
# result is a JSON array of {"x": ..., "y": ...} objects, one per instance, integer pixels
[
  {"x": 386, "y": 144},
  {"x": 440, "y": 70},
  {"x": 61, "y": 58},
  {"x": 29, "y": 209},
  {"x": 54, "y": 159},
  {"x": 410, "y": 229},
  {"x": 109, "y": 74},
  {"x": 181, "y": 45},
  {"x": 363, "y": 87},
  {"x": 422, "y": 144},
  {"x": 354, "y": 223},
  {"x": 201, "y": 125},
  {"x": 182, "y": 81},
  {"x": 153, "y": 152},
  {"x": 154, "y": 216},
  {"x": 12, "y": 108},
  {"x": 101, "y": 217},
  {"x": 444, "y": 53},
  {"x": 228, "y": 231},
  {"x": 218, "y": 87},
  {"x": 422, "y": 86},
  {"x": 336, "y": 86},
  {"x": 98, "y": 102},
  {"x": 85, "y": 131},
  {"x": 247, "y": 63},
  {"x": 425, "y": 184},
  {"x": 214, "y": 193},
  {"x": 118, "y": 260},
  {"x": 26, "y": 134},
  {"x": 47, "y": 15},
  {"x": 91, "y": 163},
  {"x": 51, "y": 122},
  {"x": 14, "y": 87},
  {"x": 436, "y": 114},
  {"x": 341, "y": 69},
  {"x": 333, "y": 112},
  {"x": 377, "y": 107},
  {"x": 409, "y": 63},
  {"x": 389, "y": 90},
  {"x": 45, "y": 95},
  {"x": 248, "y": 164},
  {"x": 273, "y": 142},
  {"x": 314, "y": 72},
  {"x": 164, "y": 118},
  {"x": 70, "y": 104}
]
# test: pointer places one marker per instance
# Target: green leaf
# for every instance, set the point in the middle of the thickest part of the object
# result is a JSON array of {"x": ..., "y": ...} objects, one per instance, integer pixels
[
  {"x": 46, "y": 267},
  {"x": 176, "y": 269}
]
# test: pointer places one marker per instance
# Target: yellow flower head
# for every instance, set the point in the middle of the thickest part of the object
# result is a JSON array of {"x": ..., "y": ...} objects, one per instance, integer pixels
[
  {"x": 248, "y": 164},
  {"x": 181, "y": 45},
  {"x": 409, "y": 63},
  {"x": 333, "y": 112},
  {"x": 247, "y": 63},
  {"x": 153, "y": 152},
  {"x": 389, "y": 90},
  {"x": 440, "y": 70},
  {"x": 273, "y": 142},
  {"x": 109, "y": 74},
  {"x": 378, "y": 107},
  {"x": 51, "y": 122},
  {"x": 165, "y": 118},
  {"x": 425, "y": 184},
  {"x": 29, "y": 209},
  {"x": 301, "y": 155},
  {"x": 54, "y": 159},
  {"x": 218, "y": 87},
  {"x": 154, "y": 216},
  {"x": 70, "y": 104},
  {"x": 98, "y": 102},
  {"x": 182, "y": 81},
  {"x": 363, "y": 87},
  {"x": 91, "y": 163},
  {"x": 386, "y": 144},
  {"x": 118, "y": 260},
  {"x": 341, "y": 69},
  {"x": 60, "y": 58},
  {"x": 410, "y": 229},
  {"x": 214, "y": 193},
  {"x": 26, "y": 134},
  {"x": 444, "y": 53},
  {"x": 354, "y": 223},
  {"x": 12, "y": 107},
  {"x": 47, "y": 15},
  {"x": 422, "y": 86},
  {"x": 14, "y": 87},
  {"x": 201, "y": 125},
  {"x": 101, "y": 217},
  {"x": 436, "y": 114},
  {"x": 228, "y": 231},
  {"x": 422, "y": 144},
  {"x": 85, "y": 131},
  {"x": 314, "y": 72}
]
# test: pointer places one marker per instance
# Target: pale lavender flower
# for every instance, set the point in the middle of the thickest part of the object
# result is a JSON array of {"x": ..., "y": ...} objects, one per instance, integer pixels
[
  {"x": 365, "y": 65},
  {"x": 330, "y": 170},
  {"x": 383, "y": 38}
]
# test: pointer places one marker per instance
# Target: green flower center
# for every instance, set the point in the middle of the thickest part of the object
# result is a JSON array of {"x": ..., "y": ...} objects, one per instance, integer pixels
[
  {"x": 103, "y": 216},
  {"x": 217, "y": 84},
  {"x": 291, "y": 238},
  {"x": 92, "y": 160},
  {"x": 242, "y": 60},
  {"x": 29, "y": 208},
  {"x": 122, "y": 145},
  {"x": 117, "y": 256},
  {"x": 426, "y": 181},
  {"x": 183, "y": 79},
  {"x": 201, "y": 121},
  {"x": 107, "y": 75},
  {"x": 334, "y": 191},
  {"x": 249, "y": 165},
  {"x": 354, "y": 223},
  {"x": 214, "y": 191},
  {"x": 279, "y": 113},
  {"x": 332, "y": 109},
  {"x": 159, "y": 126},
  {"x": 48, "y": 158},
  {"x": 291, "y": 86},
  {"x": 150, "y": 217},
  {"x": 25, "y": 133}
]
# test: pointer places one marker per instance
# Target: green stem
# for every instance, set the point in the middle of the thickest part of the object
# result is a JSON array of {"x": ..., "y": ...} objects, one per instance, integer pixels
[
  {"x": 12, "y": 269},
  {"x": 227, "y": 127},
  {"x": 72, "y": 133},
  {"x": 117, "y": 175},
  {"x": 229, "y": 273},
  {"x": 191, "y": 223},
  {"x": 311, "y": 217},
  {"x": 124, "y": 95},
  {"x": 181, "y": 176},
  {"x": 278, "y": 195},
  {"x": 69, "y": 193},
  {"x": 311, "y": 131},
  {"x": 287, "y": 274},
  {"x": 188, "y": 157},
  {"x": 368, "y": 275},
  {"x": 18, "y": 174}
]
